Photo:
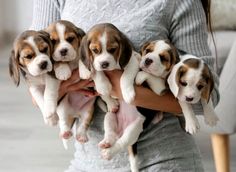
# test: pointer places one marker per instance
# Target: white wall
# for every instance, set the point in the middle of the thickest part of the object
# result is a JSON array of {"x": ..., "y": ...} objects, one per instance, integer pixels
[{"x": 15, "y": 17}]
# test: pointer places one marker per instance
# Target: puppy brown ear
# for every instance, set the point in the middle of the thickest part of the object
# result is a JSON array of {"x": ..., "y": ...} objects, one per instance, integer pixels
[
  {"x": 80, "y": 33},
  {"x": 174, "y": 55},
  {"x": 144, "y": 46},
  {"x": 85, "y": 54},
  {"x": 207, "y": 75},
  {"x": 46, "y": 37},
  {"x": 125, "y": 51},
  {"x": 14, "y": 68}
]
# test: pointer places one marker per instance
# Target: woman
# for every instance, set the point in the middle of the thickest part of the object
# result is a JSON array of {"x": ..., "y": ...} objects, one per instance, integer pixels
[{"x": 163, "y": 146}]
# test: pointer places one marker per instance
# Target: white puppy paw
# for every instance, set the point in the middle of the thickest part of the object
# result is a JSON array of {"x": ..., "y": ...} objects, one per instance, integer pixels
[
  {"x": 66, "y": 134},
  {"x": 112, "y": 105},
  {"x": 52, "y": 120},
  {"x": 140, "y": 78},
  {"x": 63, "y": 72},
  {"x": 211, "y": 119},
  {"x": 192, "y": 125},
  {"x": 83, "y": 71}
]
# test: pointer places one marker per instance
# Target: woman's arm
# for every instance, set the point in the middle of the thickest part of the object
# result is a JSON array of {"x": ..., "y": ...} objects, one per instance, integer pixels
[{"x": 145, "y": 97}]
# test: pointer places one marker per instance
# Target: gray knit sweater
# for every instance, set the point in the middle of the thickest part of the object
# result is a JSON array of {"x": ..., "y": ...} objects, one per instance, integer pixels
[{"x": 181, "y": 21}]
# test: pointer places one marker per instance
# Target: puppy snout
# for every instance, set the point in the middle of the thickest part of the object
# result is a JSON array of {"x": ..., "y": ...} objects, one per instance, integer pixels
[
  {"x": 189, "y": 99},
  {"x": 148, "y": 61},
  {"x": 43, "y": 65},
  {"x": 104, "y": 65},
  {"x": 64, "y": 51}
]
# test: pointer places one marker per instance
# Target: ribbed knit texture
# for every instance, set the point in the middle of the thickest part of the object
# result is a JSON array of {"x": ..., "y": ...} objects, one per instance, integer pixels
[{"x": 180, "y": 21}]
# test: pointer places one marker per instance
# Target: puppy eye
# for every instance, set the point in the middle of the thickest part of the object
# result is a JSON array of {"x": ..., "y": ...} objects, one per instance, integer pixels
[
  {"x": 28, "y": 56},
  {"x": 183, "y": 83},
  {"x": 44, "y": 50},
  {"x": 70, "y": 39},
  {"x": 112, "y": 50},
  {"x": 199, "y": 87},
  {"x": 95, "y": 50},
  {"x": 163, "y": 59},
  {"x": 148, "y": 51}
]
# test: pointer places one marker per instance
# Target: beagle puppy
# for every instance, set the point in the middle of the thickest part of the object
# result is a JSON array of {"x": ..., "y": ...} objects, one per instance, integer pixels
[
  {"x": 105, "y": 48},
  {"x": 66, "y": 39},
  {"x": 191, "y": 81},
  {"x": 31, "y": 55},
  {"x": 157, "y": 59}
]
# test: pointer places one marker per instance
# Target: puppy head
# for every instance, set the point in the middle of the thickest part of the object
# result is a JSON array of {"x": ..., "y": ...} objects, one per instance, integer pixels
[
  {"x": 31, "y": 53},
  {"x": 190, "y": 80},
  {"x": 158, "y": 57},
  {"x": 105, "y": 48},
  {"x": 66, "y": 39}
]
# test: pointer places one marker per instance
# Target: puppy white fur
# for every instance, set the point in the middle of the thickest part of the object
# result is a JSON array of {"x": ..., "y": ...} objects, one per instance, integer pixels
[
  {"x": 31, "y": 56},
  {"x": 66, "y": 38},
  {"x": 191, "y": 81}
]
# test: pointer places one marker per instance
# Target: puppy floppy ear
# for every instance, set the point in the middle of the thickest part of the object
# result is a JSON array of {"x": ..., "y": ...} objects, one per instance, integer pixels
[
  {"x": 85, "y": 54},
  {"x": 174, "y": 78},
  {"x": 46, "y": 37},
  {"x": 206, "y": 92},
  {"x": 125, "y": 51},
  {"x": 14, "y": 68},
  {"x": 174, "y": 55},
  {"x": 80, "y": 33},
  {"x": 144, "y": 46}
]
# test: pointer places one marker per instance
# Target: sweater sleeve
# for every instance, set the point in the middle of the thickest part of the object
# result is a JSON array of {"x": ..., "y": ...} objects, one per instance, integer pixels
[
  {"x": 188, "y": 32},
  {"x": 44, "y": 13}
]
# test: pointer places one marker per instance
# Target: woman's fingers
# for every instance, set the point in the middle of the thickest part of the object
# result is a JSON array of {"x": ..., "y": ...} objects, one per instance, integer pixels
[{"x": 80, "y": 85}]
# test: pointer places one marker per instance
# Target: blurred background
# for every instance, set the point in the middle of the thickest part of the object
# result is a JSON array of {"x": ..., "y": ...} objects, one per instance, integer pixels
[{"x": 26, "y": 144}]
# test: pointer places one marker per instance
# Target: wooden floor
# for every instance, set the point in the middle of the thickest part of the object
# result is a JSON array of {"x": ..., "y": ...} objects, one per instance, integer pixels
[{"x": 27, "y": 145}]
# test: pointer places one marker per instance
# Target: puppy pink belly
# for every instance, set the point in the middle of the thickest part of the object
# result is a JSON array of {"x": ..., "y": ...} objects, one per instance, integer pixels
[
  {"x": 78, "y": 101},
  {"x": 126, "y": 115}
]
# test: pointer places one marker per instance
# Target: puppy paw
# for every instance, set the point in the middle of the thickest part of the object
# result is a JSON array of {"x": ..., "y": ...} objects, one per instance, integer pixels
[
  {"x": 82, "y": 137},
  {"x": 52, "y": 120},
  {"x": 104, "y": 144},
  {"x": 192, "y": 126},
  {"x": 107, "y": 153},
  {"x": 63, "y": 72},
  {"x": 128, "y": 94},
  {"x": 140, "y": 78},
  {"x": 66, "y": 134},
  {"x": 113, "y": 105},
  {"x": 211, "y": 119}
]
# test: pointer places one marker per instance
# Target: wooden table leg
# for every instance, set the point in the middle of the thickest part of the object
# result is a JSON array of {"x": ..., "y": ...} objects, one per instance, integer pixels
[{"x": 220, "y": 146}]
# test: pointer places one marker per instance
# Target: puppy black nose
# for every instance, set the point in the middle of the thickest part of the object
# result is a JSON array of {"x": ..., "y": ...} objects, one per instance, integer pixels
[
  {"x": 64, "y": 51},
  {"x": 104, "y": 65},
  {"x": 43, "y": 65},
  {"x": 148, "y": 61},
  {"x": 189, "y": 99}
]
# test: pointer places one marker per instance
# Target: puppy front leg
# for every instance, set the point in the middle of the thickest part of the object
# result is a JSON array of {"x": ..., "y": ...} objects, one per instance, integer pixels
[
  {"x": 127, "y": 78},
  {"x": 129, "y": 137},
  {"x": 83, "y": 71},
  {"x": 112, "y": 104},
  {"x": 156, "y": 84},
  {"x": 102, "y": 83},
  {"x": 209, "y": 112},
  {"x": 50, "y": 96},
  {"x": 62, "y": 71},
  {"x": 191, "y": 122}
]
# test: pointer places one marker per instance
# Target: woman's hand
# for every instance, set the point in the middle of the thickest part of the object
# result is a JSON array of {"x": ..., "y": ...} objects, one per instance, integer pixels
[
  {"x": 114, "y": 77},
  {"x": 75, "y": 84}
]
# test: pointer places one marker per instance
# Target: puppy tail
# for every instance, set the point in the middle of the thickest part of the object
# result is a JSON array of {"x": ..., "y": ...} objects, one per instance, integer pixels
[
  {"x": 133, "y": 159},
  {"x": 102, "y": 105}
]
